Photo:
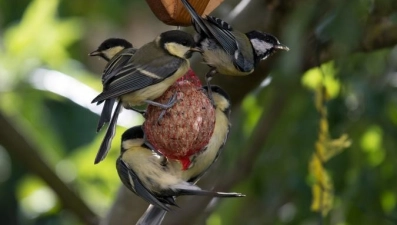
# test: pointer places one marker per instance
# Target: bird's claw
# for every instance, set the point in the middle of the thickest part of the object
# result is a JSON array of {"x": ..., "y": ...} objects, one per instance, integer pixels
[
  {"x": 208, "y": 78},
  {"x": 170, "y": 103}
]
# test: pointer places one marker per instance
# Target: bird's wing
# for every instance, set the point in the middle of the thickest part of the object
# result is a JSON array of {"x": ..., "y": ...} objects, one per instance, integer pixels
[
  {"x": 219, "y": 23},
  {"x": 223, "y": 36},
  {"x": 132, "y": 182},
  {"x": 135, "y": 76},
  {"x": 213, "y": 27},
  {"x": 118, "y": 61},
  {"x": 222, "y": 33}
]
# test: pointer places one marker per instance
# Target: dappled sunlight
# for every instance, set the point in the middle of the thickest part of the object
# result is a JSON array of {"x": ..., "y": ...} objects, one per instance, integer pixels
[
  {"x": 35, "y": 197},
  {"x": 371, "y": 144},
  {"x": 326, "y": 74},
  {"x": 76, "y": 91},
  {"x": 38, "y": 202}
]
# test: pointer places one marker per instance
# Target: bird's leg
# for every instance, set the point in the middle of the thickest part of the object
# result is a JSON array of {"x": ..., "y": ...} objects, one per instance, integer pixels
[
  {"x": 169, "y": 104},
  {"x": 161, "y": 116},
  {"x": 173, "y": 100},
  {"x": 208, "y": 78}
]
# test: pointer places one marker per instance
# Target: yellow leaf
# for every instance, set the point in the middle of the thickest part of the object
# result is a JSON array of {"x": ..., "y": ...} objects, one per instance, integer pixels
[
  {"x": 322, "y": 189},
  {"x": 325, "y": 75},
  {"x": 335, "y": 146}
]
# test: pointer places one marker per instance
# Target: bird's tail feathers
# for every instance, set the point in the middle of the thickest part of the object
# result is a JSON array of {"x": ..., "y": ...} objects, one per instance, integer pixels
[
  {"x": 106, "y": 113},
  {"x": 196, "y": 18},
  {"x": 152, "y": 216},
  {"x": 191, "y": 189},
  {"x": 211, "y": 193},
  {"x": 105, "y": 145}
]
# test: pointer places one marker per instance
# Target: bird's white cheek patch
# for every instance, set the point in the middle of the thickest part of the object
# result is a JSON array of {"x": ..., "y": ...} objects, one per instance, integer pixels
[
  {"x": 177, "y": 49},
  {"x": 132, "y": 143},
  {"x": 261, "y": 46},
  {"x": 110, "y": 53}
]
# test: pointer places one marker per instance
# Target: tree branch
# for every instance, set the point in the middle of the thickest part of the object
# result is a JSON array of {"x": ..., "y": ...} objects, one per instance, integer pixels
[{"x": 18, "y": 145}]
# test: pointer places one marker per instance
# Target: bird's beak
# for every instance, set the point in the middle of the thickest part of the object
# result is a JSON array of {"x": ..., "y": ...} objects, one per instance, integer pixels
[
  {"x": 196, "y": 50},
  {"x": 95, "y": 53},
  {"x": 281, "y": 47}
]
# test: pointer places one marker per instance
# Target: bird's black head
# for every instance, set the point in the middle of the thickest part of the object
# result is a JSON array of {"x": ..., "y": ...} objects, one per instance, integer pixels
[
  {"x": 132, "y": 137},
  {"x": 264, "y": 44},
  {"x": 110, "y": 47},
  {"x": 133, "y": 133},
  {"x": 177, "y": 43},
  {"x": 221, "y": 99}
]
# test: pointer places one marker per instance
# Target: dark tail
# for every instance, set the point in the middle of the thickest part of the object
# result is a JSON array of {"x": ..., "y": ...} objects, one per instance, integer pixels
[
  {"x": 197, "y": 20},
  {"x": 210, "y": 193},
  {"x": 106, "y": 113},
  {"x": 152, "y": 216},
  {"x": 107, "y": 140}
]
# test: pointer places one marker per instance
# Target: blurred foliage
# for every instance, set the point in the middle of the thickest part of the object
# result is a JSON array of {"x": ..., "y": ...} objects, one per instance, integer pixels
[{"x": 361, "y": 102}]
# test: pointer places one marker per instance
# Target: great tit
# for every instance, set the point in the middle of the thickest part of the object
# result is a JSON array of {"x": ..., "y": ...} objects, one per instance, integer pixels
[
  {"x": 148, "y": 175},
  {"x": 136, "y": 77},
  {"x": 202, "y": 161},
  {"x": 107, "y": 51},
  {"x": 227, "y": 51}
]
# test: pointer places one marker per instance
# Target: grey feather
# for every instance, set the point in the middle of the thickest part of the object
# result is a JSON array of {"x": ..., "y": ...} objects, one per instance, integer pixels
[
  {"x": 152, "y": 216},
  {"x": 107, "y": 140},
  {"x": 136, "y": 186},
  {"x": 106, "y": 113},
  {"x": 130, "y": 76}
]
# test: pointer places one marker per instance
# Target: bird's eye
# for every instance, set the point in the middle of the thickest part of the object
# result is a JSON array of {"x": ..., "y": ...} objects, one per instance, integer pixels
[{"x": 184, "y": 42}]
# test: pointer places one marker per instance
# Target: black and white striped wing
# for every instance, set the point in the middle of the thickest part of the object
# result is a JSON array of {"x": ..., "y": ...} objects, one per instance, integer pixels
[
  {"x": 133, "y": 77},
  {"x": 132, "y": 182}
]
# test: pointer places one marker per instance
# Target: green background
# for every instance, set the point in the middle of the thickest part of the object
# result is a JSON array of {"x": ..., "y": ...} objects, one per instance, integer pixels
[{"x": 275, "y": 125}]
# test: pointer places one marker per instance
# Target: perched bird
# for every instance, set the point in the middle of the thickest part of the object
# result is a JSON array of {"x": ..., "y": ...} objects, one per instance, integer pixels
[
  {"x": 107, "y": 51},
  {"x": 135, "y": 77},
  {"x": 203, "y": 160},
  {"x": 227, "y": 51},
  {"x": 110, "y": 50},
  {"x": 148, "y": 175}
]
